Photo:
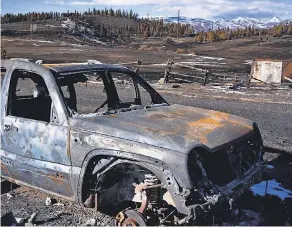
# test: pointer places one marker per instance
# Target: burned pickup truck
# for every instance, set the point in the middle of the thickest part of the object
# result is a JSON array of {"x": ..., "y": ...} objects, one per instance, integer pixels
[{"x": 100, "y": 136}]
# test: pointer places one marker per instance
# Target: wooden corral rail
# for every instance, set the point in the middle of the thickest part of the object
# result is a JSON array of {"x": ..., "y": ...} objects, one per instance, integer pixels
[{"x": 204, "y": 76}]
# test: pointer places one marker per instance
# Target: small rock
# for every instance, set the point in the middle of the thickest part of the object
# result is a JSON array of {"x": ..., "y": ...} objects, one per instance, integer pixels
[
  {"x": 9, "y": 195},
  {"x": 59, "y": 204},
  {"x": 90, "y": 222},
  {"x": 120, "y": 82},
  {"x": 19, "y": 221},
  {"x": 175, "y": 86},
  {"x": 59, "y": 214},
  {"x": 32, "y": 217},
  {"x": 48, "y": 201}
]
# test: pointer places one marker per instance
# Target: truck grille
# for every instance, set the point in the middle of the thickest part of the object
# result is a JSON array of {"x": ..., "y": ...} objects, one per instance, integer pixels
[{"x": 225, "y": 165}]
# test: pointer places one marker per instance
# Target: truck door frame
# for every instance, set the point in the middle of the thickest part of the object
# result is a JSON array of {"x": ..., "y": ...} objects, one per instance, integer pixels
[{"x": 48, "y": 173}]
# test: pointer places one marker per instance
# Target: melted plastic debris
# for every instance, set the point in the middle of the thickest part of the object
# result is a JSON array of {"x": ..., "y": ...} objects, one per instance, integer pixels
[{"x": 274, "y": 188}]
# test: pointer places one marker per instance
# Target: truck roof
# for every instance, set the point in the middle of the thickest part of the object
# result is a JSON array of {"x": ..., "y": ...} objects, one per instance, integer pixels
[
  {"x": 75, "y": 68},
  {"x": 67, "y": 68}
]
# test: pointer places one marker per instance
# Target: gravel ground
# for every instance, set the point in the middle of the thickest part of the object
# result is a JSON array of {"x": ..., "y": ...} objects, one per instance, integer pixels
[{"x": 27, "y": 201}]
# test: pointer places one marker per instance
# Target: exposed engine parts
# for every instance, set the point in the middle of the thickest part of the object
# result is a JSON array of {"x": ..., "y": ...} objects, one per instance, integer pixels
[
  {"x": 154, "y": 203},
  {"x": 148, "y": 192},
  {"x": 153, "y": 210},
  {"x": 214, "y": 176}
]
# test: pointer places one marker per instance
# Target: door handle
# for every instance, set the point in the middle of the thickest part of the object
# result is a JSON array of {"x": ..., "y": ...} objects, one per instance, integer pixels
[{"x": 7, "y": 127}]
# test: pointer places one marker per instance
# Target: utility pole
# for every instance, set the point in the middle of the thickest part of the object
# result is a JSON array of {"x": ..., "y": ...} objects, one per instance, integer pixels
[
  {"x": 178, "y": 24},
  {"x": 260, "y": 38}
]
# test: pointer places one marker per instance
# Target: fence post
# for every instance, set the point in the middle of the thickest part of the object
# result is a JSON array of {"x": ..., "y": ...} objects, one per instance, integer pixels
[
  {"x": 139, "y": 62},
  {"x": 205, "y": 77},
  {"x": 249, "y": 77},
  {"x": 167, "y": 71}
]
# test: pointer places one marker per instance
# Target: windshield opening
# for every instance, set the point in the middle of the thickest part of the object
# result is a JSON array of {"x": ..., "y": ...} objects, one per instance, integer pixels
[{"x": 105, "y": 92}]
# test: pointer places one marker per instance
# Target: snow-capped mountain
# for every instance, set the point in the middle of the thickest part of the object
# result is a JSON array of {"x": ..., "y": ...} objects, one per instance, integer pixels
[
  {"x": 274, "y": 20},
  {"x": 200, "y": 24}
]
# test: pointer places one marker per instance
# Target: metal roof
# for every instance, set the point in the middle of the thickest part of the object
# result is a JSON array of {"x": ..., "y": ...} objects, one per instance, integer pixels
[{"x": 75, "y": 68}]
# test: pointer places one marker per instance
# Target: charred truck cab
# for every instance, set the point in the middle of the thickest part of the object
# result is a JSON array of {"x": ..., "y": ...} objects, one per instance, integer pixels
[{"x": 164, "y": 164}]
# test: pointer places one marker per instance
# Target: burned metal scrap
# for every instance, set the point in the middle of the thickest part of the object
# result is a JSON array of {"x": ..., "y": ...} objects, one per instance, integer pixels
[{"x": 172, "y": 160}]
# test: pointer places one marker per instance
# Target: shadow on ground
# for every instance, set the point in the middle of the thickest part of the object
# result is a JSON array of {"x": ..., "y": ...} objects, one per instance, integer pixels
[
  {"x": 7, "y": 186},
  {"x": 275, "y": 207}
]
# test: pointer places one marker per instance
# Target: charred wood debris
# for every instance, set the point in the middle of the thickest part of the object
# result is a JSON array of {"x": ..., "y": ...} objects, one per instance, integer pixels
[{"x": 204, "y": 77}]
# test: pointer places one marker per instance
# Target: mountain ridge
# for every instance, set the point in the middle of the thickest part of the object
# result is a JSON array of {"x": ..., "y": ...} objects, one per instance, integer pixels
[{"x": 200, "y": 24}]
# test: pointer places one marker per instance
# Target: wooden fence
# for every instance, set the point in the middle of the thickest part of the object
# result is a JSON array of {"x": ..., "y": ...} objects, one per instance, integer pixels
[{"x": 205, "y": 76}]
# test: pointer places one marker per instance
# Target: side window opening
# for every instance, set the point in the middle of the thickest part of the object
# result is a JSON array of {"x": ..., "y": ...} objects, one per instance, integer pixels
[
  {"x": 29, "y": 97},
  {"x": 146, "y": 98},
  {"x": 104, "y": 91},
  {"x": 130, "y": 92},
  {"x": 82, "y": 94}
]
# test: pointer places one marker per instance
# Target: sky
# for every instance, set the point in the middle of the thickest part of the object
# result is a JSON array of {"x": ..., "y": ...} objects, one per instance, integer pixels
[{"x": 207, "y": 9}]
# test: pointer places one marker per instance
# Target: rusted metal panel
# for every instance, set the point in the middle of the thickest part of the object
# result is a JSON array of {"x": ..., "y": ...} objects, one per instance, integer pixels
[
  {"x": 37, "y": 140},
  {"x": 69, "y": 68},
  {"x": 164, "y": 134},
  {"x": 85, "y": 144},
  {"x": 33, "y": 150},
  {"x": 176, "y": 127},
  {"x": 38, "y": 173},
  {"x": 267, "y": 71},
  {"x": 37, "y": 152},
  {"x": 271, "y": 71}
]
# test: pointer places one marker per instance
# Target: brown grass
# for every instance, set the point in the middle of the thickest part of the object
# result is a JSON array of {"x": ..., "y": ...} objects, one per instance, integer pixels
[
  {"x": 149, "y": 48},
  {"x": 185, "y": 51}
]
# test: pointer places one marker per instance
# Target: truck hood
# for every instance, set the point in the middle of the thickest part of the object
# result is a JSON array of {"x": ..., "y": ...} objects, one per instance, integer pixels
[{"x": 174, "y": 127}]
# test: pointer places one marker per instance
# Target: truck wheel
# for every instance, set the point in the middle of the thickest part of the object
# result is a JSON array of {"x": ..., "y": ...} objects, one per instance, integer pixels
[{"x": 130, "y": 218}]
